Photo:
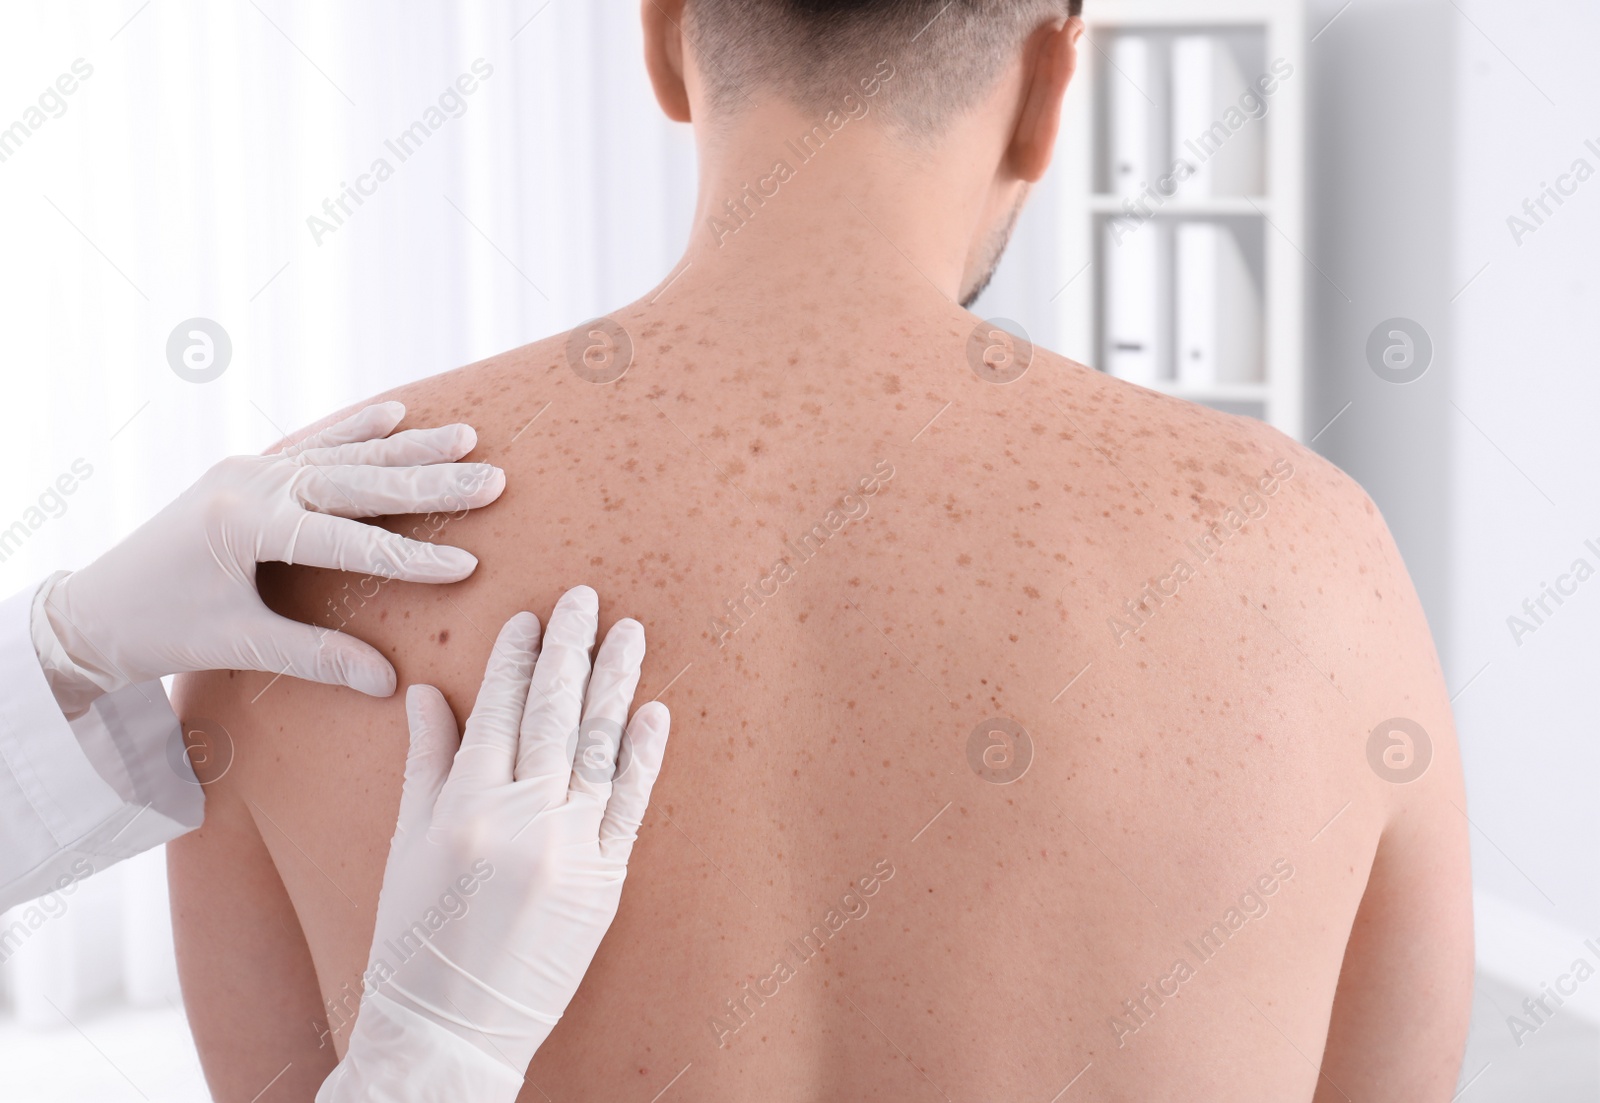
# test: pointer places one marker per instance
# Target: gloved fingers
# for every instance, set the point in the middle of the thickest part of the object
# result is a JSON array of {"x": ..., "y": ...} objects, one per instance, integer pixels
[
  {"x": 605, "y": 711},
  {"x": 377, "y": 420},
  {"x": 489, "y": 749},
  {"x": 434, "y": 740},
  {"x": 642, "y": 749},
  {"x": 411, "y": 448},
  {"x": 555, "y": 700},
  {"x": 340, "y": 544},
  {"x": 350, "y": 491},
  {"x": 284, "y": 646}
]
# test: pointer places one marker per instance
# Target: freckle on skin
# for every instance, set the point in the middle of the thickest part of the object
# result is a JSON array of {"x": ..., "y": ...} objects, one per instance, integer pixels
[{"x": 444, "y": 635}]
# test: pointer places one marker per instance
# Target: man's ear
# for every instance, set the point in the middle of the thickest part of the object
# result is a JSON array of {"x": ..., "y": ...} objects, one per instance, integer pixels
[
  {"x": 663, "y": 55},
  {"x": 1054, "y": 58}
]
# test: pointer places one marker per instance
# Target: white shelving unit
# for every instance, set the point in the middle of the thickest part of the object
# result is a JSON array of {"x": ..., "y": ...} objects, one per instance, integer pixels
[{"x": 1270, "y": 226}]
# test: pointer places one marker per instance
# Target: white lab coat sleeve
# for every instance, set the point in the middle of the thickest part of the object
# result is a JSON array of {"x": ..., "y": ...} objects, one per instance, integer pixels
[{"x": 78, "y": 796}]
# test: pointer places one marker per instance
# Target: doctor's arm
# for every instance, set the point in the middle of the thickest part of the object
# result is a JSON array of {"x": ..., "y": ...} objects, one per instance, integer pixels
[{"x": 92, "y": 762}]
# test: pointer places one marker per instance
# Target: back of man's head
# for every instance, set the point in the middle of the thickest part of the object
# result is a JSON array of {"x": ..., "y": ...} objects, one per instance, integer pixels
[{"x": 945, "y": 53}]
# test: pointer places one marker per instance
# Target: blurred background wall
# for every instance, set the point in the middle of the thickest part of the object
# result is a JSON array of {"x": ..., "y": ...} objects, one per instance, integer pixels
[{"x": 177, "y": 181}]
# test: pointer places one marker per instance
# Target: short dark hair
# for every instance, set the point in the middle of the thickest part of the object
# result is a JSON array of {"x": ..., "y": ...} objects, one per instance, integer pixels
[{"x": 944, "y": 53}]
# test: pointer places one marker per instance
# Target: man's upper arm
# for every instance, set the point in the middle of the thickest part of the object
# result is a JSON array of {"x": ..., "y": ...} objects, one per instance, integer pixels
[
  {"x": 248, "y": 984},
  {"x": 1400, "y": 1016}
]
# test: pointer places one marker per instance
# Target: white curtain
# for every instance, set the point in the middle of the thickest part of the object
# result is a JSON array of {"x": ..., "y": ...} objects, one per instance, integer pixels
[{"x": 175, "y": 180}]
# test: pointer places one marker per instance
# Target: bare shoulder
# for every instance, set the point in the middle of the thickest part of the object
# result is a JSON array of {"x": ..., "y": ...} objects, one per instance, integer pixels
[
  {"x": 1295, "y": 537},
  {"x": 1198, "y": 462}
]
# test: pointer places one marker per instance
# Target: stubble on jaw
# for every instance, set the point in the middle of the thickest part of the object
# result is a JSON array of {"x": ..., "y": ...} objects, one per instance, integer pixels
[{"x": 994, "y": 249}]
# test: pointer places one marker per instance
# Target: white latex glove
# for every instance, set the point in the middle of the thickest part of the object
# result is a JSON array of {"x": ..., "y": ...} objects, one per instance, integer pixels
[
  {"x": 507, "y": 862},
  {"x": 179, "y": 594}
]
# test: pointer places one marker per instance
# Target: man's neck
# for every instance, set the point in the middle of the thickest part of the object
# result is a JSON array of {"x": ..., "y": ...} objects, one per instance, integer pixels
[{"x": 791, "y": 207}]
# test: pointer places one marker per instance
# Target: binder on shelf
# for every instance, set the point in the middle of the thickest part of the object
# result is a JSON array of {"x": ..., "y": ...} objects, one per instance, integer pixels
[
  {"x": 1211, "y": 131},
  {"x": 1130, "y": 114},
  {"x": 1132, "y": 301},
  {"x": 1218, "y": 319}
]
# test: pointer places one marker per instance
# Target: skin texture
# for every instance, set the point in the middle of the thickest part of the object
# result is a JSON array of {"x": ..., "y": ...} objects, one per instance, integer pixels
[{"x": 980, "y": 939}]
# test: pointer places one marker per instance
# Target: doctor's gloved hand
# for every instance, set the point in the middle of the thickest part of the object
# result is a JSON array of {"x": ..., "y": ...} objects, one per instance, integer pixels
[
  {"x": 179, "y": 594},
  {"x": 507, "y": 862}
]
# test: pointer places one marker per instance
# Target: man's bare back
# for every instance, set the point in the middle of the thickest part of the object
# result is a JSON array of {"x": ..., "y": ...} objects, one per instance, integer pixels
[{"x": 974, "y": 791}]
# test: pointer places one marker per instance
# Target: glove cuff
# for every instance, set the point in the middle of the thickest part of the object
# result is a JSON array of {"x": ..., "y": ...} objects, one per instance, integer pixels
[
  {"x": 399, "y": 1056},
  {"x": 75, "y": 687}
]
